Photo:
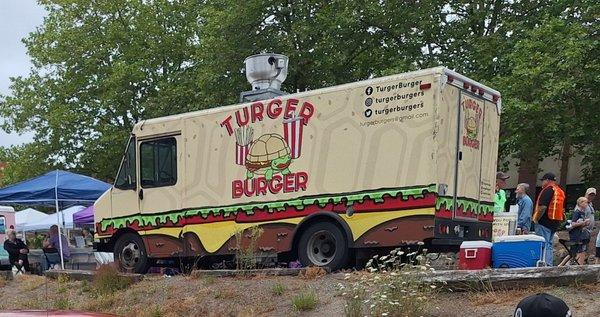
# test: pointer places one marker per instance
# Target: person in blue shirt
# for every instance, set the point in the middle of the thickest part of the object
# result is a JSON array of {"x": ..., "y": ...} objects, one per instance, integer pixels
[{"x": 525, "y": 208}]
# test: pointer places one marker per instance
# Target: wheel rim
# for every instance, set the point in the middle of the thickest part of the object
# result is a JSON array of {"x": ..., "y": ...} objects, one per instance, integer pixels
[
  {"x": 321, "y": 248},
  {"x": 130, "y": 255}
]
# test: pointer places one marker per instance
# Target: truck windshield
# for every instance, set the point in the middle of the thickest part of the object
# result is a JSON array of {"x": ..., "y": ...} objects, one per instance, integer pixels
[{"x": 126, "y": 179}]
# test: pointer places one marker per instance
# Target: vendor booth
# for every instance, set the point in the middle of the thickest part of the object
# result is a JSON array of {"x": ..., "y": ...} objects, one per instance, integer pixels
[{"x": 59, "y": 189}]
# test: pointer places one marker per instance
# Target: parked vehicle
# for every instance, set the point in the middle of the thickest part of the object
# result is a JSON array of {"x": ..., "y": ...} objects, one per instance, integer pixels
[
  {"x": 379, "y": 163},
  {"x": 7, "y": 221}
]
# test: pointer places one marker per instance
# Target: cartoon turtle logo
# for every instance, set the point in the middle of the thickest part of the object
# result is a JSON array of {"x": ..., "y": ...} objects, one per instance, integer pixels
[
  {"x": 472, "y": 124},
  {"x": 268, "y": 155}
]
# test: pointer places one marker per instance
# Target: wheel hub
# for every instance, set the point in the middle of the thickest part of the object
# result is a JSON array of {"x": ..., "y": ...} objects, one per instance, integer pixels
[
  {"x": 321, "y": 248},
  {"x": 130, "y": 255}
]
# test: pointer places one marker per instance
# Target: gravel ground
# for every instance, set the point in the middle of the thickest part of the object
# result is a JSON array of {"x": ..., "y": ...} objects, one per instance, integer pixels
[{"x": 254, "y": 296}]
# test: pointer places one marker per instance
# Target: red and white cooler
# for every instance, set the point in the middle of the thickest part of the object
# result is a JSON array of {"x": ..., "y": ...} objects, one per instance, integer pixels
[{"x": 475, "y": 255}]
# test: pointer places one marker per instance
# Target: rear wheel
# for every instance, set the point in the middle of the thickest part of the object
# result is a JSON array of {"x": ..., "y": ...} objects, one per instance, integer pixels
[
  {"x": 323, "y": 244},
  {"x": 130, "y": 254}
]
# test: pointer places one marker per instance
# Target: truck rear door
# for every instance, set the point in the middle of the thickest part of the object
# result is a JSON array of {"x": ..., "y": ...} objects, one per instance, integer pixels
[{"x": 470, "y": 135}]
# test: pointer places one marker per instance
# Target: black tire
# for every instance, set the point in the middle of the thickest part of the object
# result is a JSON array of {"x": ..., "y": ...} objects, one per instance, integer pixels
[
  {"x": 130, "y": 254},
  {"x": 323, "y": 244}
]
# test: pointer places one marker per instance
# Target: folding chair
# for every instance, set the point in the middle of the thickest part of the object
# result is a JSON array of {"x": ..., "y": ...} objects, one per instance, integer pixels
[{"x": 51, "y": 264}]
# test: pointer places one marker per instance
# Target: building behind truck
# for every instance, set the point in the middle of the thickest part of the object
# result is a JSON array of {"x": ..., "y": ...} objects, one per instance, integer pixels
[{"x": 380, "y": 163}]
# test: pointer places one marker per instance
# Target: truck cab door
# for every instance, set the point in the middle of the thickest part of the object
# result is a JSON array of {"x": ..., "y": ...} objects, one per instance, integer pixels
[
  {"x": 124, "y": 199},
  {"x": 161, "y": 183}
]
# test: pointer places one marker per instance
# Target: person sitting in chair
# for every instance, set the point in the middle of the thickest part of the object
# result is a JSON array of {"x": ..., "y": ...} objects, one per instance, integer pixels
[
  {"x": 51, "y": 247},
  {"x": 17, "y": 251}
]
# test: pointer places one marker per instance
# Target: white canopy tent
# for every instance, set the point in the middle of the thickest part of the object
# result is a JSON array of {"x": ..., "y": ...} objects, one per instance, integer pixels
[
  {"x": 65, "y": 219},
  {"x": 26, "y": 217}
]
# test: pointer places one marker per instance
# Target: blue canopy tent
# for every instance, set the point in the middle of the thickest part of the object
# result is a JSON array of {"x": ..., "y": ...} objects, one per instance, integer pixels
[{"x": 56, "y": 188}]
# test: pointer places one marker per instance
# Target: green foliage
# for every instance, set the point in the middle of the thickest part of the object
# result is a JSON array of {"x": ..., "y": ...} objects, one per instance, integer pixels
[
  {"x": 278, "y": 289},
  {"x": 101, "y": 67},
  {"x": 305, "y": 301},
  {"x": 246, "y": 256},
  {"x": 36, "y": 242}
]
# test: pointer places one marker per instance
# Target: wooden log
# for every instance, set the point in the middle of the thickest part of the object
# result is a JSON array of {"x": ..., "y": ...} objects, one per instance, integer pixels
[
  {"x": 495, "y": 279},
  {"x": 267, "y": 272},
  {"x": 83, "y": 275}
]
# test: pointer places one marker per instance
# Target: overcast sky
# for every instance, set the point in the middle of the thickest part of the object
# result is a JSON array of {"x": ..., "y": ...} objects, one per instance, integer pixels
[{"x": 17, "y": 19}]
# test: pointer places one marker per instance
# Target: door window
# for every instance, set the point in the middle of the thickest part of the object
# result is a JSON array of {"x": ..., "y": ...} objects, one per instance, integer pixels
[
  {"x": 158, "y": 163},
  {"x": 126, "y": 178},
  {"x": 2, "y": 225}
]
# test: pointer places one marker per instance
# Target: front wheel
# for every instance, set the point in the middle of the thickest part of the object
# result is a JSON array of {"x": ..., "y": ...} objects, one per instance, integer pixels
[
  {"x": 323, "y": 244},
  {"x": 130, "y": 254}
]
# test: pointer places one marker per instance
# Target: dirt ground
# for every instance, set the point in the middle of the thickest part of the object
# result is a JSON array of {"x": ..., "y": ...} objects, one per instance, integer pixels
[{"x": 256, "y": 296}]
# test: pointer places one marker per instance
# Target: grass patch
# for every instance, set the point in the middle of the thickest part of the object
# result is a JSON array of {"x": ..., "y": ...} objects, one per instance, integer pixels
[
  {"x": 62, "y": 304},
  {"x": 305, "y": 301},
  {"x": 225, "y": 294},
  {"x": 156, "y": 312},
  {"x": 107, "y": 280},
  {"x": 210, "y": 280},
  {"x": 100, "y": 303},
  {"x": 29, "y": 283},
  {"x": 278, "y": 289}
]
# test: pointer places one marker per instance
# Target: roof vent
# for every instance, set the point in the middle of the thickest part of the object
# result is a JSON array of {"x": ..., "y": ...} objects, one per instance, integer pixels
[{"x": 265, "y": 72}]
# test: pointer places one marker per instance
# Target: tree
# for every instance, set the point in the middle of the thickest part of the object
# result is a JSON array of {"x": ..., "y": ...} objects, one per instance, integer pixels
[
  {"x": 100, "y": 67},
  {"x": 26, "y": 161},
  {"x": 552, "y": 91}
]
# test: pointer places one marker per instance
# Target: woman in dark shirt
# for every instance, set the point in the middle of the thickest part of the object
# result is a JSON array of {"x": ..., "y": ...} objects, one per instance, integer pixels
[{"x": 17, "y": 250}]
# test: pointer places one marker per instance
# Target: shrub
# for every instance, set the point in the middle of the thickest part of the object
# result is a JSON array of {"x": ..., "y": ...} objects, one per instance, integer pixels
[
  {"x": 278, "y": 289},
  {"x": 107, "y": 280},
  {"x": 305, "y": 301},
  {"x": 246, "y": 257},
  {"x": 312, "y": 273},
  {"x": 354, "y": 304},
  {"x": 394, "y": 285}
]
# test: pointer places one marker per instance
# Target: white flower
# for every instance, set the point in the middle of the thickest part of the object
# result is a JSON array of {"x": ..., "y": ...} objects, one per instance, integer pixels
[{"x": 433, "y": 286}]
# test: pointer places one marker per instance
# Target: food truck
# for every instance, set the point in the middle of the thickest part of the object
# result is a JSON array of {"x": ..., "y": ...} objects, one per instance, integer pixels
[
  {"x": 7, "y": 221},
  {"x": 380, "y": 163}
]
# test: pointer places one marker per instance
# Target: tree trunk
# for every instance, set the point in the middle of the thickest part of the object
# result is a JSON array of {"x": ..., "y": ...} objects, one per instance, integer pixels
[{"x": 565, "y": 156}]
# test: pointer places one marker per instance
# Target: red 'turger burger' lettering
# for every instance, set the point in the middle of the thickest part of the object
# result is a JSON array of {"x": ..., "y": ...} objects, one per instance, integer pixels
[
  {"x": 256, "y": 112},
  {"x": 259, "y": 186}
]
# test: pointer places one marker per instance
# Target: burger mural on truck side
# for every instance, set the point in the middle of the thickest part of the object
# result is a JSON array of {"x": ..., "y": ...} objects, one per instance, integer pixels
[{"x": 268, "y": 158}]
